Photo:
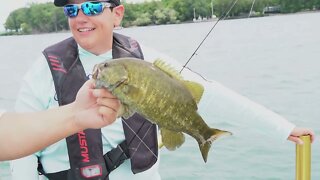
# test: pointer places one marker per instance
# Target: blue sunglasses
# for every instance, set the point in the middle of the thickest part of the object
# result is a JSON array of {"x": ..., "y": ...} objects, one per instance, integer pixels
[{"x": 90, "y": 8}]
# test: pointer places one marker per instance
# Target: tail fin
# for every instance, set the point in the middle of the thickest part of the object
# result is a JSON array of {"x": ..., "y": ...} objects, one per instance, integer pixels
[{"x": 209, "y": 136}]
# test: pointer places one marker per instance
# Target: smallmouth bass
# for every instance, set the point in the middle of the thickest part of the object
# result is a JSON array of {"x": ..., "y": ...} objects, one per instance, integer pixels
[{"x": 158, "y": 92}]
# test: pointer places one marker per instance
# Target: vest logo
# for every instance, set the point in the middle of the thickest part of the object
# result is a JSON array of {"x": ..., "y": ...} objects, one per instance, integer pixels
[
  {"x": 56, "y": 64},
  {"x": 84, "y": 151},
  {"x": 91, "y": 171}
]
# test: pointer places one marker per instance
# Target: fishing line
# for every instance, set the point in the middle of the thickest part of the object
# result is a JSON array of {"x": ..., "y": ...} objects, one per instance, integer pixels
[
  {"x": 140, "y": 139},
  {"x": 226, "y": 13},
  {"x": 251, "y": 8}
]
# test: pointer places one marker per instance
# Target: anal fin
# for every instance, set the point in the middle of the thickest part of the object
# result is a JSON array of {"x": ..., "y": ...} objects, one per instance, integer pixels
[{"x": 125, "y": 111}]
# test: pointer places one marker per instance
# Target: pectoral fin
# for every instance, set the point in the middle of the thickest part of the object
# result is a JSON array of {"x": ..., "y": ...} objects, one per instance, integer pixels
[
  {"x": 195, "y": 89},
  {"x": 125, "y": 111},
  {"x": 171, "y": 139}
]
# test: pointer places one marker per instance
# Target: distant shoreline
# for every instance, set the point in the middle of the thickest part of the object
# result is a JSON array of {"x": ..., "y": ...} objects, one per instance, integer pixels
[{"x": 4, "y": 33}]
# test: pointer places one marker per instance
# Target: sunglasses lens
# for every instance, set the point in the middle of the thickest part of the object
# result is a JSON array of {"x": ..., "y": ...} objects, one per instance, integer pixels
[
  {"x": 71, "y": 10},
  {"x": 92, "y": 8}
]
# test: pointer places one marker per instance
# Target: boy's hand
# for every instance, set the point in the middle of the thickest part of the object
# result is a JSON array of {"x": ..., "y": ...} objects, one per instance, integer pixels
[
  {"x": 95, "y": 108},
  {"x": 299, "y": 131}
]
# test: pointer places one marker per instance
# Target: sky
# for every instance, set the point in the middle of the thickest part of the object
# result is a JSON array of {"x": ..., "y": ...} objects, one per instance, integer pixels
[{"x": 11, "y": 5}]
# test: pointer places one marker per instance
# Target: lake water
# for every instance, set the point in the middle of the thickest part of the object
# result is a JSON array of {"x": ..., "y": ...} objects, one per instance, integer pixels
[{"x": 272, "y": 60}]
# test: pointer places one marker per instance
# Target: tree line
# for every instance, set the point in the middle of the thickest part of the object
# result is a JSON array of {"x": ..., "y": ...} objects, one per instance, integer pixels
[{"x": 45, "y": 17}]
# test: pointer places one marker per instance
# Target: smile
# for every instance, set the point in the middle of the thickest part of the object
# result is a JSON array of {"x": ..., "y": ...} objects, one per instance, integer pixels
[{"x": 86, "y": 29}]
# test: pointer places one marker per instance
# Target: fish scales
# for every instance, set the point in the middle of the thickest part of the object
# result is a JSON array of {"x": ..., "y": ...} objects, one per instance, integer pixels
[
  {"x": 155, "y": 86},
  {"x": 158, "y": 94}
]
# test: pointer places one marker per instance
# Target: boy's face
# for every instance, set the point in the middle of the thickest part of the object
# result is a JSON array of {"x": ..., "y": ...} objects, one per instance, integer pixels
[{"x": 94, "y": 33}]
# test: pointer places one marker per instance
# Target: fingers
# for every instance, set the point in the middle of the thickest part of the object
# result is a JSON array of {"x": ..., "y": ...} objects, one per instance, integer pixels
[
  {"x": 299, "y": 131},
  {"x": 109, "y": 105},
  {"x": 307, "y": 131},
  {"x": 312, "y": 135},
  {"x": 108, "y": 108},
  {"x": 295, "y": 139},
  {"x": 89, "y": 84},
  {"x": 108, "y": 115},
  {"x": 102, "y": 93}
]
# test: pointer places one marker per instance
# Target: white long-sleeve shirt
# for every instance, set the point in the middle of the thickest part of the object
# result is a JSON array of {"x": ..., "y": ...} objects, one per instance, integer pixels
[
  {"x": 1, "y": 112},
  {"x": 37, "y": 93},
  {"x": 231, "y": 107}
]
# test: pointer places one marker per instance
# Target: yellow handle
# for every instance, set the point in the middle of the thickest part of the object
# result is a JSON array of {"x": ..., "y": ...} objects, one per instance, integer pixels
[{"x": 303, "y": 159}]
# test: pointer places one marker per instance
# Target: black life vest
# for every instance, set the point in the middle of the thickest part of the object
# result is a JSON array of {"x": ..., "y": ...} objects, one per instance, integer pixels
[{"x": 85, "y": 148}]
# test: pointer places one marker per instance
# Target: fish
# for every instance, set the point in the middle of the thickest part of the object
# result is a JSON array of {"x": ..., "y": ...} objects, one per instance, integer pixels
[{"x": 159, "y": 93}]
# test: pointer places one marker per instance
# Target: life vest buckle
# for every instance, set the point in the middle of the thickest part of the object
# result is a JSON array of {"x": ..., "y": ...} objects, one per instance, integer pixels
[
  {"x": 116, "y": 156},
  {"x": 91, "y": 171}
]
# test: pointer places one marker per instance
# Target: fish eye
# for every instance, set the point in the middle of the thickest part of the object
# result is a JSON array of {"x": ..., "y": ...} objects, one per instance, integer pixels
[{"x": 105, "y": 65}]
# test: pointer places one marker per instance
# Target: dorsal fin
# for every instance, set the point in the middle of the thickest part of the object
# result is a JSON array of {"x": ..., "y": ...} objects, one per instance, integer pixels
[
  {"x": 195, "y": 88},
  {"x": 167, "y": 69}
]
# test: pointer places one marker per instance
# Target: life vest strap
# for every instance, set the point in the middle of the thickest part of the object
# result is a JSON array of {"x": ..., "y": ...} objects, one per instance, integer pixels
[
  {"x": 117, "y": 156},
  {"x": 67, "y": 80},
  {"x": 113, "y": 158},
  {"x": 62, "y": 175}
]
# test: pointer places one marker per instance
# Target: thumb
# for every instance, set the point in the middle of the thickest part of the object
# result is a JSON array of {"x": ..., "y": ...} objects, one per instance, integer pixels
[
  {"x": 90, "y": 84},
  {"x": 295, "y": 139}
]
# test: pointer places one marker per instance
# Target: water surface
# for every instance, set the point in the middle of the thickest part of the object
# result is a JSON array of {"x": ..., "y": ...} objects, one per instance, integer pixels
[{"x": 272, "y": 60}]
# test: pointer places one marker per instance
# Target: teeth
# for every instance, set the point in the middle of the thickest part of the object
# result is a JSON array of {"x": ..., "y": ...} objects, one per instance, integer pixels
[{"x": 85, "y": 29}]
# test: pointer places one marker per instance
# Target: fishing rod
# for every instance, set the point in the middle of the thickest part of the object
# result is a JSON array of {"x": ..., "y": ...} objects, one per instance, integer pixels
[
  {"x": 251, "y": 8},
  {"x": 226, "y": 13}
]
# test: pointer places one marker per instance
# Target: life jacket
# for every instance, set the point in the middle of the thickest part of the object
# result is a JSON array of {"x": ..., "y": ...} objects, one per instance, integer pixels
[{"x": 85, "y": 148}]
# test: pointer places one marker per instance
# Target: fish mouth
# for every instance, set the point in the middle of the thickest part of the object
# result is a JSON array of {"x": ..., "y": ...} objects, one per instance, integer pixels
[
  {"x": 108, "y": 86},
  {"x": 101, "y": 84},
  {"x": 112, "y": 87},
  {"x": 98, "y": 83},
  {"x": 95, "y": 71}
]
